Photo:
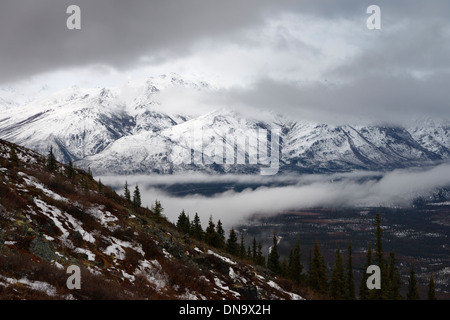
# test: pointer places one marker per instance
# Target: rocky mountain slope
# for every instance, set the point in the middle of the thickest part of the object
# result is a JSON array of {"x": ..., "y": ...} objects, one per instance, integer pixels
[
  {"x": 50, "y": 220},
  {"x": 130, "y": 129}
]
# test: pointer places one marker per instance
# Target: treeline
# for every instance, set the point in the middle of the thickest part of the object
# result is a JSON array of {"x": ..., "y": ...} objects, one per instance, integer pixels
[
  {"x": 335, "y": 283},
  {"x": 214, "y": 235}
]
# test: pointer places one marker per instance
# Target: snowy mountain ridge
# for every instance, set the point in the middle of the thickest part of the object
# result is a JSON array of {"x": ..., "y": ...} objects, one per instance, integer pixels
[{"x": 130, "y": 129}]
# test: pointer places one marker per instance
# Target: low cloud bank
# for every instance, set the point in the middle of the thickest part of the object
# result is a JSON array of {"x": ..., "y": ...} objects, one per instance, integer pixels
[{"x": 395, "y": 188}]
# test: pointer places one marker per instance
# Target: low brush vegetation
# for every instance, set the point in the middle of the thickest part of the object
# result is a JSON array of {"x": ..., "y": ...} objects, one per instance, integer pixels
[{"x": 54, "y": 215}]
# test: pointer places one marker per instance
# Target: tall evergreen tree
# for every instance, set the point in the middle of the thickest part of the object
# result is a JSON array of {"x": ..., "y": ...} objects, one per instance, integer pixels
[
  {"x": 260, "y": 259},
  {"x": 100, "y": 186},
  {"x": 220, "y": 235},
  {"x": 89, "y": 172},
  {"x": 183, "y": 224},
  {"x": 137, "y": 197},
  {"x": 254, "y": 249},
  {"x": 232, "y": 244},
  {"x": 273, "y": 259},
  {"x": 431, "y": 289},
  {"x": 350, "y": 279},
  {"x": 211, "y": 236},
  {"x": 413, "y": 289},
  {"x": 126, "y": 192},
  {"x": 337, "y": 282},
  {"x": 379, "y": 294},
  {"x": 394, "y": 282},
  {"x": 196, "y": 228},
  {"x": 242, "y": 247},
  {"x": 70, "y": 171},
  {"x": 318, "y": 279},
  {"x": 51, "y": 160},
  {"x": 295, "y": 266},
  {"x": 158, "y": 211},
  {"x": 363, "y": 290}
]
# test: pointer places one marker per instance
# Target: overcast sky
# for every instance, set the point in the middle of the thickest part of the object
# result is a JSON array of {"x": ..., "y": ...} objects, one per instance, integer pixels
[{"x": 311, "y": 59}]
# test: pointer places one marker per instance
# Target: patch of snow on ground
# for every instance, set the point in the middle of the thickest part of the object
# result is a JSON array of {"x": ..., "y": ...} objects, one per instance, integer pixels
[
  {"x": 198, "y": 250},
  {"x": 187, "y": 295},
  {"x": 220, "y": 284},
  {"x": 55, "y": 215},
  {"x": 32, "y": 182},
  {"x": 232, "y": 274},
  {"x": 104, "y": 217},
  {"x": 117, "y": 248},
  {"x": 90, "y": 255},
  {"x": 293, "y": 296},
  {"x": 34, "y": 285},
  {"x": 227, "y": 260},
  {"x": 153, "y": 272}
]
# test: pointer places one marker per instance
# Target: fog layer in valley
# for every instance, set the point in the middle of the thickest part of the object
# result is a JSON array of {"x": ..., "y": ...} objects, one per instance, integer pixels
[{"x": 270, "y": 195}]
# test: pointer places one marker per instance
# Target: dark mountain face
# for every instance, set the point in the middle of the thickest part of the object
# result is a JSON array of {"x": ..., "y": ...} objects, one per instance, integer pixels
[{"x": 55, "y": 218}]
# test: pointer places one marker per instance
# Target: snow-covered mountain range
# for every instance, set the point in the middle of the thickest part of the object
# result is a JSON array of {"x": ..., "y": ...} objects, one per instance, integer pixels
[{"x": 129, "y": 129}]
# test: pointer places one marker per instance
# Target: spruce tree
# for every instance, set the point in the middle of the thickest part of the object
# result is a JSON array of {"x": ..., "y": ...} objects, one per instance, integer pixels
[
  {"x": 379, "y": 294},
  {"x": 183, "y": 224},
  {"x": 413, "y": 289},
  {"x": 13, "y": 158},
  {"x": 70, "y": 171},
  {"x": 273, "y": 259},
  {"x": 220, "y": 235},
  {"x": 157, "y": 210},
  {"x": 337, "y": 282},
  {"x": 196, "y": 228},
  {"x": 431, "y": 289},
  {"x": 393, "y": 291},
  {"x": 363, "y": 290},
  {"x": 350, "y": 279},
  {"x": 100, "y": 186},
  {"x": 295, "y": 266},
  {"x": 126, "y": 192},
  {"x": 318, "y": 279},
  {"x": 137, "y": 199},
  {"x": 260, "y": 258},
  {"x": 211, "y": 236},
  {"x": 242, "y": 247},
  {"x": 254, "y": 249},
  {"x": 232, "y": 244},
  {"x": 51, "y": 160}
]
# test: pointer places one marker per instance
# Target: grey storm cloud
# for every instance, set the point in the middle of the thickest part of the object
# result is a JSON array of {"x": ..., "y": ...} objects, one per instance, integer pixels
[
  {"x": 34, "y": 38},
  {"x": 402, "y": 69},
  {"x": 374, "y": 99}
]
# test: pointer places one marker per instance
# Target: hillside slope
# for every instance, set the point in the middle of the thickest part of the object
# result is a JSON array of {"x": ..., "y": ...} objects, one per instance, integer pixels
[{"x": 49, "y": 222}]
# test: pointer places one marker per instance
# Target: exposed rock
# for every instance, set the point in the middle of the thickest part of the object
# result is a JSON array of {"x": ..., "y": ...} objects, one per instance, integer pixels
[
  {"x": 42, "y": 249},
  {"x": 247, "y": 292}
]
